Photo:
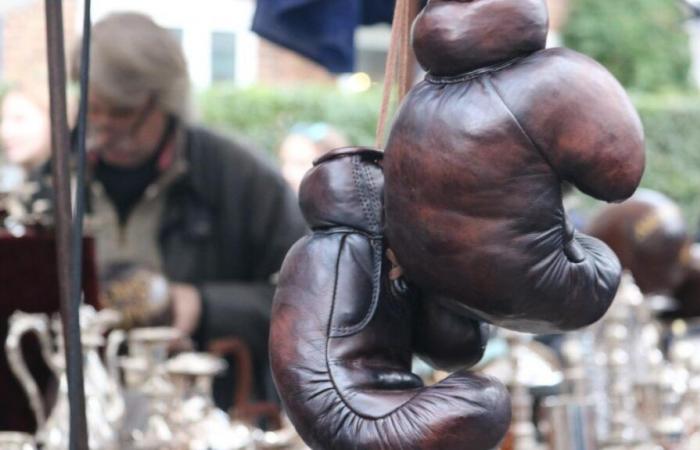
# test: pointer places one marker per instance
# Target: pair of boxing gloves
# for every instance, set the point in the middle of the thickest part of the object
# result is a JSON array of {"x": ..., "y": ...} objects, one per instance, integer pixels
[
  {"x": 344, "y": 332},
  {"x": 467, "y": 195}
]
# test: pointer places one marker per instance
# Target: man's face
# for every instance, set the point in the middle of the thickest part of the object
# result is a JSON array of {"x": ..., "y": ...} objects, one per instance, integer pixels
[{"x": 123, "y": 136}]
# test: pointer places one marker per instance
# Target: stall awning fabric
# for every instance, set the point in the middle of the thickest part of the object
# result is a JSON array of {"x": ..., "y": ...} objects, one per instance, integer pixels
[{"x": 321, "y": 30}]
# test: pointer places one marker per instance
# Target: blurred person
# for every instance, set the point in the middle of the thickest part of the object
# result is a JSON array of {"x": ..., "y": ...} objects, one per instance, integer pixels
[
  {"x": 303, "y": 144},
  {"x": 24, "y": 127},
  {"x": 28, "y": 281},
  {"x": 25, "y": 147},
  {"x": 173, "y": 197}
]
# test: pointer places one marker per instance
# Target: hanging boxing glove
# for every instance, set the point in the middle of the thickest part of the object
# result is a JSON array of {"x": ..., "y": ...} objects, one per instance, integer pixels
[
  {"x": 476, "y": 157},
  {"x": 340, "y": 340}
]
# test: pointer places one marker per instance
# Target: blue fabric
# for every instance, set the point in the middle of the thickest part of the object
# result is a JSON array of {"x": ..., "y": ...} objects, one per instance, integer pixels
[{"x": 321, "y": 30}]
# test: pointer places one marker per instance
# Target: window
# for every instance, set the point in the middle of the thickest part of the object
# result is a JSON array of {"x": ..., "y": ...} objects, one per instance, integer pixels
[
  {"x": 223, "y": 56},
  {"x": 371, "y": 48},
  {"x": 371, "y": 61}
]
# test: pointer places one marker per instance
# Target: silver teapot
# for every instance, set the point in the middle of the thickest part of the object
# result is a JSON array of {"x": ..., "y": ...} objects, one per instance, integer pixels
[{"x": 102, "y": 406}]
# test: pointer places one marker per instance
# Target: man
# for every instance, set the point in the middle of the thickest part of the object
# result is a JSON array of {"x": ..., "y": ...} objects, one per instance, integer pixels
[{"x": 173, "y": 197}]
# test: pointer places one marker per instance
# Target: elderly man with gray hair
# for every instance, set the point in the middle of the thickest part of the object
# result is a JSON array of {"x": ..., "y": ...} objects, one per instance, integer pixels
[{"x": 165, "y": 194}]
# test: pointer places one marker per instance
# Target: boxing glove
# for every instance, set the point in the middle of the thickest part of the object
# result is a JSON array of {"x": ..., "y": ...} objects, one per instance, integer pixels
[
  {"x": 649, "y": 235},
  {"x": 476, "y": 157},
  {"x": 340, "y": 339}
]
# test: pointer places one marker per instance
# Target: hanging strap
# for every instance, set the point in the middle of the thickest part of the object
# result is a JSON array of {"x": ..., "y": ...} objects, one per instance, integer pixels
[
  {"x": 68, "y": 228},
  {"x": 399, "y": 61}
]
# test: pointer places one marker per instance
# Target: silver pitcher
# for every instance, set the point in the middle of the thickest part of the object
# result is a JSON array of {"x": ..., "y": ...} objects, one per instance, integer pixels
[
  {"x": 149, "y": 394},
  {"x": 201, "y": 425},
  {"x": 52, "y": 432}
]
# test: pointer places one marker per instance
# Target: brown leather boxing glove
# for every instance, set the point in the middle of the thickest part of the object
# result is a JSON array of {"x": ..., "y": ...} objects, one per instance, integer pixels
[
  {"x": 476, "y": 157},
  {"x": 340, "y": 341},
  {"x": 649, "y": 235}
]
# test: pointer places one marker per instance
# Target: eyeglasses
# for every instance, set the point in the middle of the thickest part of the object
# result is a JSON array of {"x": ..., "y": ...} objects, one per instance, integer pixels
[{"x": 117, "y": 122}]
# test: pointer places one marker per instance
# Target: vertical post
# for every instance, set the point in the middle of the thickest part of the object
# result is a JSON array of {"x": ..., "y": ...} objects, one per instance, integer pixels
[
  {"x": 400, "y": 62},
  {"x": 60, "y": 144}
]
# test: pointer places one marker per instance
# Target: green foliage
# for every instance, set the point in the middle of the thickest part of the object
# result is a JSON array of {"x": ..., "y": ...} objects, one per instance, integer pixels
[
  {"x": 671, "y": 125},
  {"x": 265, "y": 115},
  {"x": 673, "y": 156},
  {"x": 642, "y": 42}
]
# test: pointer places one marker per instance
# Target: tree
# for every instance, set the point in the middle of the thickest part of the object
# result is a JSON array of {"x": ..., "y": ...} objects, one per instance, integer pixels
[{"x": 642, "y": 42}]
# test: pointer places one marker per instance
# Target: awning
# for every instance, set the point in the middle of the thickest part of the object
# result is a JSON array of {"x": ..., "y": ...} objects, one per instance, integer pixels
[{"x": 321, "y": 30}]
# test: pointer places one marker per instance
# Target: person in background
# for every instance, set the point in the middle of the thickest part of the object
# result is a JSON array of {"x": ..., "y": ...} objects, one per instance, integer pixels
[
  {"x": 303, "y": 144},
  {"x": 25, "y": 149},
  {"x": 24, "y": 127},
  {"x": 202, "y": 209}
]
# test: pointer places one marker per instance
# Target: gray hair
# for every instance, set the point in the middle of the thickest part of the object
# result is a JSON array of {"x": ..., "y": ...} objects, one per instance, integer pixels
[{"x": 133, "y": 58}]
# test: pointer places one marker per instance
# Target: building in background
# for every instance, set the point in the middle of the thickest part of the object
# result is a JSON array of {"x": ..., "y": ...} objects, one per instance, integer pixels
[
  {"x": 215, "y": 36},
  {"x": 23, "y": 39},
  {"x": 218, "y": 42}
]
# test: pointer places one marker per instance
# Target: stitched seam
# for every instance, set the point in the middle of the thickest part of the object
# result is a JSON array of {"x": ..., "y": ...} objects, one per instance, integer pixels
[
  {"x": 518, "y": 124},
  {"x": 361, "y": 180},
  {"x": 361, "y": 174},
  {"x": 357, "y": 179},
  {"x": 461, "y": 78},
  {"x": 344, "y": 331},
  {"x": 335, "y": 291},
  {"x": 328, "y": 359},
  {"x": 374, "y": 205},
  {"x": 348, "y": 230},
  {"x": 375, "y": 209}
]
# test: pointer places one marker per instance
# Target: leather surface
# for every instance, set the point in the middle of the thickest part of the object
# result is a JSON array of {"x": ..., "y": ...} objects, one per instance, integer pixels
[
  {"x": 341, "y": 337},
  {"x": 446, "y": 336},
  {"x": 451, "y": 37},
  {"x": 649, "y": 235},
  {"x": 474, "y": 165}
]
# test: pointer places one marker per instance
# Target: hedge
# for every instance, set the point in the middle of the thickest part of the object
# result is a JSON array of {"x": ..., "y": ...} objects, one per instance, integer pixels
[
  {"x": 642, "y": 42},
  {"x": 672, "y": 127},
  {"x": 266, "y": 115}
]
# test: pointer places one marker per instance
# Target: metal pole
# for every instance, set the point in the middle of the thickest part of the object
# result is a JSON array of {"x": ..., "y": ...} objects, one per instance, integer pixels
[{"x": 60, "y": 144}]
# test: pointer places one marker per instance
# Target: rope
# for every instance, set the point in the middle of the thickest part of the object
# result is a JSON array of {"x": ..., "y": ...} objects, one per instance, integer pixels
[{"x": 399, "y": 62}]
